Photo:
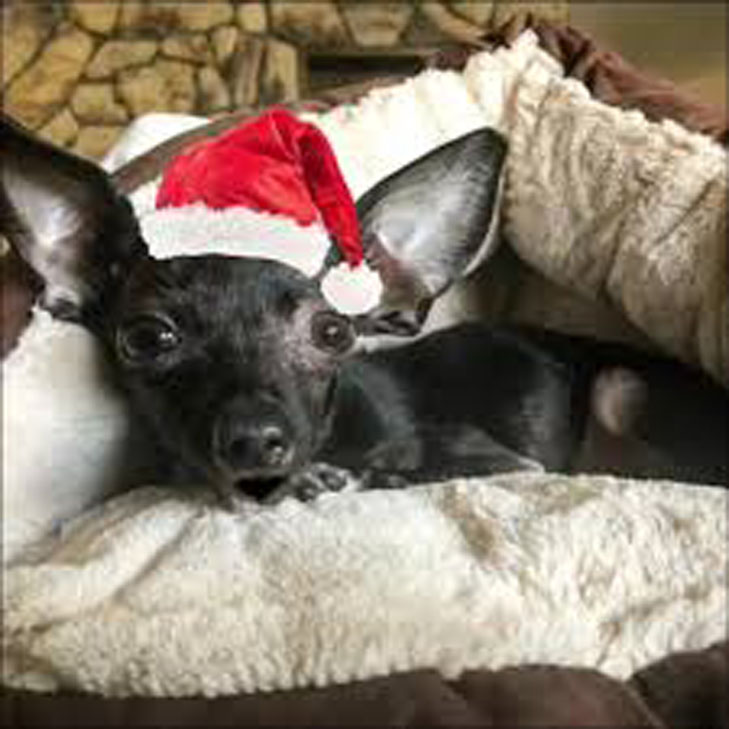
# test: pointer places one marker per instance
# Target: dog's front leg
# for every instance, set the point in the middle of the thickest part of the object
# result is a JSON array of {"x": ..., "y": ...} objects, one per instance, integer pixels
[
  {"x": 436, "y": 452},
  {"x": 428, "y": 454},
  {"x": 312, "y": 481}
]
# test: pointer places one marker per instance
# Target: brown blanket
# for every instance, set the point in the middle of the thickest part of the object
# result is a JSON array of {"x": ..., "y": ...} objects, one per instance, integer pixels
[{"x": 685, "y": 690}]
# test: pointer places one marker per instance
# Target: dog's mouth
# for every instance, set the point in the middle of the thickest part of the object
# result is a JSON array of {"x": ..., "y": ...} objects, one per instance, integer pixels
[
  {"x": 258, "y": 488},
  {"x": 255, "y": 484}
]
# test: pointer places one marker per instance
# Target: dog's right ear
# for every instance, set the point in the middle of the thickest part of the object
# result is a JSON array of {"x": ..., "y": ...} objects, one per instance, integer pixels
[{"x": 63, "y": 216}]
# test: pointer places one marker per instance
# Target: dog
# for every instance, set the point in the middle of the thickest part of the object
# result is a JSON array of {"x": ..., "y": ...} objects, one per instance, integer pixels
[{"x": 250, "y": 381}]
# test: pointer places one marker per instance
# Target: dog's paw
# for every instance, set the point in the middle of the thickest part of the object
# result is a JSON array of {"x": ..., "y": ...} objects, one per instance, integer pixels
[{"x": 312, "y": 481}]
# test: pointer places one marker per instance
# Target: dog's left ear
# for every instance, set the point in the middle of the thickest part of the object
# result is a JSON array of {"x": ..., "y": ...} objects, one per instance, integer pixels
[
  {"x": 431, "y": 223},
  {"x": 63, "y": 216}
]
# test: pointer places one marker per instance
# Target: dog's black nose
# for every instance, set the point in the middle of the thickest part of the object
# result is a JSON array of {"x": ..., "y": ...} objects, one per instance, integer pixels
[{"x": 251, "y": 446}]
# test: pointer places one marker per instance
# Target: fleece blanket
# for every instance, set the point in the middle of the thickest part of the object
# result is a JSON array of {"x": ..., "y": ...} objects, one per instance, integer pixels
[
  {"x": 159, "y": 592},
  {"x": 597, "y": 199}
]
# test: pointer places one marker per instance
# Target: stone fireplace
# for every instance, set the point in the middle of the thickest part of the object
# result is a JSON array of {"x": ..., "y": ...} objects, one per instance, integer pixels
[{"x": 78, "y": 71}]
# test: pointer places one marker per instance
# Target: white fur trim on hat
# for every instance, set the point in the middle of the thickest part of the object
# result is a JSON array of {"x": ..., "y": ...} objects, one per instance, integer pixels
[{"x": 196, "y": 230}]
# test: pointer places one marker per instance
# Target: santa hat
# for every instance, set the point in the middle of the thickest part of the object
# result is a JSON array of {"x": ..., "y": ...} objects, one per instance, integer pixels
[{"x": 269, "y": 188}]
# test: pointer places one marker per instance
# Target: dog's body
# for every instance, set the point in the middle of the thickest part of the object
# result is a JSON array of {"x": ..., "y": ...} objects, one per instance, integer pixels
[
  {"x": 543, "y": 396},
  {"x": 252, "y": 381},
  {"x": 250, "y": 394}
]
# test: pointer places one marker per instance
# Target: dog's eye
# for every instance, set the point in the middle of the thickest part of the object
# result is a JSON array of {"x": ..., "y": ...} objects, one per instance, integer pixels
[
  {"x": 332, "y": 332},
  {"x": 147, "y": 338}
]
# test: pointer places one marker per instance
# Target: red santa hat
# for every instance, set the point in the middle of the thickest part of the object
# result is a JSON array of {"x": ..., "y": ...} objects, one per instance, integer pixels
[{"x": 275, "y": 165}]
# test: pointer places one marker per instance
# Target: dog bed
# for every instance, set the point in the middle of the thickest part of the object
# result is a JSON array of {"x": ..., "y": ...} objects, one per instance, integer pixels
[{"x": 158, "y": 593}]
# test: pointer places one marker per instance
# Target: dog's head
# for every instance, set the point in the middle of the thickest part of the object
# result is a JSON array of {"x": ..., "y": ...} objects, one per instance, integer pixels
[{"x": 235, "y": 360}]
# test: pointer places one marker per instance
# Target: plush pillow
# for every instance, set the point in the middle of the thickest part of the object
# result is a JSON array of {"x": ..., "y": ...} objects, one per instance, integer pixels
[
  {"x": 67, "y": 433},
  {"x": 163, "y": 593}
]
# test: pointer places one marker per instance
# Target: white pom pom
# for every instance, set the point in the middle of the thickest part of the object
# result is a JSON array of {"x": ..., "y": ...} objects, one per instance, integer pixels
[{"x": 352, "y": 290}]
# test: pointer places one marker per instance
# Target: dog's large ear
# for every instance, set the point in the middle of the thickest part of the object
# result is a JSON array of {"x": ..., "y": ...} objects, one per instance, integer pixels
[
  {"x": 63, "y": 216},
  {"x": 431, "y": 223}
]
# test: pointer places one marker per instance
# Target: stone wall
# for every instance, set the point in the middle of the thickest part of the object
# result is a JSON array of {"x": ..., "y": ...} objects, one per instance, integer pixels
[{"x": 78, "y": 71}]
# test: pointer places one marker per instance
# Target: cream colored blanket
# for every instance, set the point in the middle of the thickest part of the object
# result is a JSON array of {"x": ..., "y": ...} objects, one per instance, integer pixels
[
  {"x": 159, "y": 592},
  {"x": 598, "y": 200}
]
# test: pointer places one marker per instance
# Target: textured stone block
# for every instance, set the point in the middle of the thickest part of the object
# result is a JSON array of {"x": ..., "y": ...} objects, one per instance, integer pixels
[
  {"x": 24, "y": 29},
  {"x": 556, "y": 11},
  {"x": 94, "y": 103},
  {"x": 224, "y": 40},
  {"x": 246, "y": 69},
  {"x": 313, "y": 23},
  {"x": 451, "y": 25},
  {"x": 98, "y": 17},
  {"x": 37, "y": 93},
  {"x": 204, "y": 16},
  {"x": 479, "y": 13},
  {"x": 252, "y": 17},
  {"x": 94, "y": 142},
  {"x": 281, "y": 77},
  {"x": 162, "y": 17},
  {"x": 163, "y": 86},
  {"x": 377, "y": 25},
  {"x": 132, "y": 14},
  {"x": 213, "y": 94},
  {"x": 62, "y": 129},
  {"x": 193, "y": 47},
  {"x": 116, "y": 55}
]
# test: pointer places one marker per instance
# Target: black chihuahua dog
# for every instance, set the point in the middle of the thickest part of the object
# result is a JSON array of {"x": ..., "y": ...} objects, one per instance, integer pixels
[{"x": 252, "y": 382}]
